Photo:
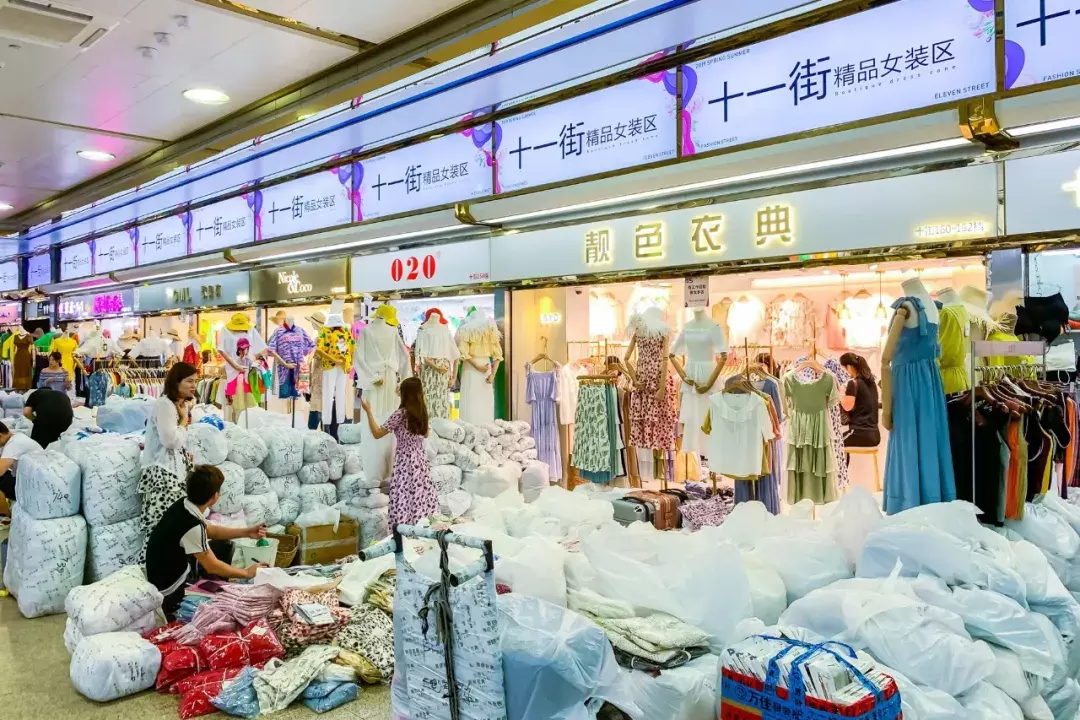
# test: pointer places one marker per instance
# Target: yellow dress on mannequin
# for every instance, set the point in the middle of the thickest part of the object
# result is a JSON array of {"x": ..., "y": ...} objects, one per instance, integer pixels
[{"x": 66, "y": 346}]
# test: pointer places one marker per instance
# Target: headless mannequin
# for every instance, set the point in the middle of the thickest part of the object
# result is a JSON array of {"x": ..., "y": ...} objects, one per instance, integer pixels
[
  {"x": 381, "y": 362},
  {"x": 654, "y": 318},
  {"x": 700, "y": 319},
  {"x": 905, "y": 316}
]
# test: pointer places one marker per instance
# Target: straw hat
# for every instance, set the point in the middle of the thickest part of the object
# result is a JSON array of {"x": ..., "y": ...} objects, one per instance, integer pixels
[
  {"x": 336, "y": 318},
  {"x": 173, "y": 334},
  {"x": 387, "y": 313},
  {"x": 317, "y": 318},
  {"x": 279, "y": 317},
  {"x": 239, "y": 323}
]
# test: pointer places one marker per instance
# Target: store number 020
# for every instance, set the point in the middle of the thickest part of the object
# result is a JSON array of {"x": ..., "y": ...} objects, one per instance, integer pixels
[{"x": 412, "y": 268}]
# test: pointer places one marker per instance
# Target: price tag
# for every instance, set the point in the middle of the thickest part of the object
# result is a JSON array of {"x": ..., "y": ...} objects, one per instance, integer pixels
[{"x": 697, "y": 292}]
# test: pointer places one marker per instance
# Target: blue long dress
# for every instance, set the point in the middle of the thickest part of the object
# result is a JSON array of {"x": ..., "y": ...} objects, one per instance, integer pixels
[{"x": 918, "y": 467}]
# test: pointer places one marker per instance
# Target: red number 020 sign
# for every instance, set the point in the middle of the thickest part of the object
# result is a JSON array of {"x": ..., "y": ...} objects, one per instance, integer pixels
[{"x": 411, "y": 268}]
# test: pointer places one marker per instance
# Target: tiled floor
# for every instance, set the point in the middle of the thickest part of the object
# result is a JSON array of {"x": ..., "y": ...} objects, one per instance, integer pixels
[{"x": 34, "y": 682}]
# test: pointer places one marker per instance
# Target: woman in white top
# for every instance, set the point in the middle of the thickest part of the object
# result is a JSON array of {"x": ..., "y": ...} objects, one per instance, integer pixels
[{"x": 165, "y": 460}]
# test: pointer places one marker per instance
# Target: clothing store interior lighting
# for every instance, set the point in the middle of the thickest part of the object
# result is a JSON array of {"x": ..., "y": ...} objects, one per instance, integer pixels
[
  {"x": 1044, "y": 127},
  {"x": 892, "y": 276},
  {"x": 255, "y": 254},
  {"x": 96, "y": 155},
  {"x": 206, "y": 96},
  {"x": 4, "y": 207},
  {"x": 905, "y": 151},
  {"x": 173, "y": 273},
  {"x": 880, "y": 312}
]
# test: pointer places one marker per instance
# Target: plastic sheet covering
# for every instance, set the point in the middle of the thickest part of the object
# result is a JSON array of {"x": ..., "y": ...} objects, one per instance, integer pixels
[
  {"x": 1048, "y": 530},
  {"x": 535, "y": 570},
  {"x": 1009, "y": 676},
  {"x": 263, "y": 509},
  {"x": 110, "y": 666},
  {"x": 707, "y": 588},
  {"x": 114, "y": 603},
  {"x": 237, "y": 696},
  {"x": 855, "y": 516},
  {"x": 576, "y": 511},
  {"x": 336, "y": 462},
  {"x": 113, "y": 547},
  {"x": 246, "y": 448},
  {"x": 1063, "y": 700},
  {"x": 353, "y": 460},
  {"x": 447, "y": 430},
  {"x": 553, "y": 660},
  {"x": 812, "y": 561},
  {"x": 534, "y": 479},
  {"x": 683, "y": 693},
  {"x": 256, "y": 482},
  {"x": 986, "y": 702},
  {"x": 45, "y": 561},
  {"x": 315, "y": 473},
  {"x": 286, "y": 486},
  {"x": 446, "y": 478},
  {"x": 767, "y": 591},
  {"x": 358, "y": 574},
  {"x": 207, "y": 444},
  {"x": 312, "y": 496},
  {"x": 48, "y": 485},
  {"x": 285, "y": 451},
  {"x": 110, "y": 478},
  {"x": 319, "y": 515},
  {"x": 122, "y": 415},
  {"x": 325, "y": 696},
  {"x": 231, "y": 495},
  {"x": 290, "y": 509},
  {"x": 72, "y": 636},
  {"x": 317, "y": 446},
  {"x": 350, "y": 434}
]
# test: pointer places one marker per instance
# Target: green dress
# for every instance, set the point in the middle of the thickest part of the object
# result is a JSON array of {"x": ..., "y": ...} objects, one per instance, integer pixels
[{"x": 811, "y": 465}]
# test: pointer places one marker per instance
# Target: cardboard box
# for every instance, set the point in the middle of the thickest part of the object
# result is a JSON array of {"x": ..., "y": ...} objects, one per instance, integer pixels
[{"x": 320, "y": 544}]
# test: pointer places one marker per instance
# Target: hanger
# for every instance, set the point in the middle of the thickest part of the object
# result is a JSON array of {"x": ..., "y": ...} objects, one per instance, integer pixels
[{"x": 542, "y": 355}]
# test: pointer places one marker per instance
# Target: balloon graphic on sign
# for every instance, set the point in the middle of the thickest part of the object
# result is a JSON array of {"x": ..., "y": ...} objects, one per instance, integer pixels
[
  {"x": 358, "y": 188},
  {"x": 186, "y": 219},
  {"x": 1014, "y": 62},
  {"x": 133, "y": 235},
  {"x": 254, "y": 200},
  {"x": 480, "y": 136}
]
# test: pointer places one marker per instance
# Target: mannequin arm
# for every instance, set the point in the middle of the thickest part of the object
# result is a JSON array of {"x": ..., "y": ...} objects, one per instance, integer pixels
[
  {"x": 480, "y": 364},
  {"x": 679, "y": 368},
  {"x": 895, "y": 328},
  {"x": 661, "y": 380},
  {"x": 494, "y": 369},
  {"x": 631, "y": 371},
  {"x": 715, "y": 374},
  {"x": 434, "y": 364}
]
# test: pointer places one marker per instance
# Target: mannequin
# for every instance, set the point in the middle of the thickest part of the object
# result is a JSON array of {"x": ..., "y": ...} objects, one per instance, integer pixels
[
  {"x": 335, "y": 348},
  {"x": 128, "y": 340},
  {"x": 93, "y": 348},
  {"x": 381, "y": 363},
  {"x": 437, "y": 360},
  {"x": 652, "y": 402},
  {"x": 66, "y": 346},
  {"x": 289, "y": 345},
  {"x": 480, "y": 344},
  {"x": 918, "y": 467},
  {"x": 954, "y": 335},
  {"x": 23, "y": 360},
  {"x": 191, "y": 353},
  {"x": 701, "y": 341},
  {"x": 239, "y": 326},
  {"x": 175, "y": 346}
]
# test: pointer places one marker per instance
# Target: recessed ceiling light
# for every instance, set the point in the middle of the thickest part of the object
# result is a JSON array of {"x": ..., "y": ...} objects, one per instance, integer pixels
[
  {"x": 4, "y": 207},
  {"x": 304, "y": 116},
  {"x": 96, "y": 155},
  {"x": 206, "y": 96}
]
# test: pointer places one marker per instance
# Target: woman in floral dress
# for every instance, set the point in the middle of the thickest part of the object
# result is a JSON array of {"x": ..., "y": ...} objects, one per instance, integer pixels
[{"x": 412, "y": 494}]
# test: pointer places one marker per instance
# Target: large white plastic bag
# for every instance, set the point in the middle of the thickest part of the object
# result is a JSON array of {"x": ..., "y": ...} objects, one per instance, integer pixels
[
  {"x": 989, "y": 703},
  {"x": 336, "y": 462},
  {"x": 317, "y": 446},
  {"x": 357, "y": 575},
  {"x": 110, "y": 478},
  {"x": 48, "y": 485},
  {"x": 72, "y": 636},
  {"x": 855, "y": 516},
  {"x": 576, "y": 511},
  {"x": 928, "y": 550},
  {"x": 319, "y": 515},
  {"x": 256, "y": 482},
  {"x": 113, "y": 603},
  {"x": 112, "y": 547},
  {"x": 1010, "y": 678},
  {"x": 534, "y": 479},
  {"x": 1069, "y": 512},
  {"x": 110, "y": 666},
  {"x": 1048, "y": 530},
  {"x": 445, "y": 478},
  {"x": 536, "y": 570},
  {"x": 767, "y": 591},
  {"x": 206, "y": 444},
  {"x": 999, "y": 620},
  {"x": 46, "y": 559},
  {"x": 554, "y": 660},
  {"x": 261, "y": 509},
  {"x": 285, "y": 450},
  {"x": 353, "y": 460},
  {"x": 807, "y": 563},
  {"x": 246, "y": 448},
  {"x": 919, "y": 702},
  {"x": 682, "y": 693},
  {"x": 350, "y": 434},
  {"x": 315, "y": 473},
  {"x": 286, "y": 486},
  {"x": 290, "y": 509},
  {"x": 312, "y": 496},
  {"x": 447, "y": 430},
  {"x": 698, "y": 580},
  {"x": 120, "y": 415},
  {"x": 1063, "y": 700},
  {"x": 231, "y": 495}
]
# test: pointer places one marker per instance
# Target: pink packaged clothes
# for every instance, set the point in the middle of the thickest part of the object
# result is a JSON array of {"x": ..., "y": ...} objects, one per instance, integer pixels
[{"x": 234, "y": 607}]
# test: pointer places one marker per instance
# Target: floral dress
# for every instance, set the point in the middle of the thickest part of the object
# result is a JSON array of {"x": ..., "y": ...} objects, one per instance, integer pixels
[
  {"x": 436, "y": 387},
  {"x": 652, "y": 423},
  {"x": 412, "y": 494}
]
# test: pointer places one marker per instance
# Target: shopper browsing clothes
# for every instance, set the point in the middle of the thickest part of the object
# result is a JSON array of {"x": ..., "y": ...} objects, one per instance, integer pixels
[
  {"x": 165, "y": 460},
  {"x": 54, "y": 376},
  {"x": 50, "y": 411},
  {"x": 182, "y": 533},
  {"x": 860, "y": 403},
  {"x": 412, "y": 494},
  {"x": 12, "y": 447}
]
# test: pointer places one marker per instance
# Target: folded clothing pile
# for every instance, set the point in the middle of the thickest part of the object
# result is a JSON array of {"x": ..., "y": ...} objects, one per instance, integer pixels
[
  {"x": 235, "y": 606},
  {"x": 369, "y": 632},
  {"x": 254, "y": 644},
  {"x": 295, "y": 632}
]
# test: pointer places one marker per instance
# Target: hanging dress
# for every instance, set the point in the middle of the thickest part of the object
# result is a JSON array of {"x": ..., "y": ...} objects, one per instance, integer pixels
[
  {"x": 700, "y": 342},
  {"x": 478, "y": 338},
  {"x": 918, "y": 466},
  {"x": 953, "y": 331},
  {"x": 652, "y": 422},
  {"x": 23, "y": 369},
  {"x": 811, "y": 464},
  {"x": 541, "y": 391}
]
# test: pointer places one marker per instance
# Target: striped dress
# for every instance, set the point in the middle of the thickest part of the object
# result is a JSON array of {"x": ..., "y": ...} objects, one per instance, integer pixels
[{"x": 541, "y": 390}]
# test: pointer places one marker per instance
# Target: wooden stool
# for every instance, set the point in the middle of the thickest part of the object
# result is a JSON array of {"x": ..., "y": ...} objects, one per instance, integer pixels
[{"x": 867, "y": 451}]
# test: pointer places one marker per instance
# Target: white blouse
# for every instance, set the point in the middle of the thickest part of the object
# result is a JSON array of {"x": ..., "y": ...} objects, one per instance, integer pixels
[
  {"x": 740, "y": 426},
  {"x": 166, "y": 441}
]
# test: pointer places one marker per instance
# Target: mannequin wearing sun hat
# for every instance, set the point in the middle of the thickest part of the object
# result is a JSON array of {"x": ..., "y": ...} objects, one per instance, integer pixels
[
  {"x": 436, "y": 358},
  {"x": 239, "y": 326},
  {"x": 381, "y": 363},
  {"x": 335, "y": 348}
]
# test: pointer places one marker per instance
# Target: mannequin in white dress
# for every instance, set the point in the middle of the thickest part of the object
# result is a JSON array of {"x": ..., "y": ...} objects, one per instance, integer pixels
[
  {"x": 479, "y": 341},
  {"x": 381, "y": 363},
  {"x": 701, "y": 341}
]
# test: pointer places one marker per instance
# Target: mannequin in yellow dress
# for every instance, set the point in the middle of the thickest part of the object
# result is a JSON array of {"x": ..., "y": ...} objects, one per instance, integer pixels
[{"x": 66, "y": 345}]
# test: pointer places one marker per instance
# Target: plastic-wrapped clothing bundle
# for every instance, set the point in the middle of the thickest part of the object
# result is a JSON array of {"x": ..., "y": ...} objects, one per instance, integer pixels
[
  {"x": 246, "y": 448},
  {"x": 989, "y": 703},
  {"x": 114, "y": 665},
  {"x": 768, "y": 594},
  {"x": 113, "y": 547},
  {"x": 112, "y": 604},
  {"x": 72, "y": 636},
  {"x": 325, "y": 696},
  {"x": 1063, "y": 700},
  {"x": 316, "y": 473},
  {"x": 285, "y": 486},
  {"x": 350, "y": 433},
  {"x": 374, "y": 522},
  {"x": 853, "y": 518},
  {"x": 349, "y": 486},
  {"x": 1009, "y": 676},
  {"x": 375, "y": 500},
  {"x": 682, "y": 693},
  {"x": 121, "y": 415},
  {"x": 534, "y": 479},
  {"x": 446, "y": 479},
  {"x": 1048, "y": 530},
  {"x": 290, "y": 509},
  {"x": 280, "y": 685},
  {"x": 256, "y": 482},
  {"x": 232, "y": 490},
  {"x": 207, "y": 444},
  {"x": 336, "y": 462},
  {"x": 317, "y": 446},
  {"x": 45, "y": 561},
  {"x": 110, "y": 478},
  {"x": 353, "y": 462},
  {"x": 447, "y": 430},
  {"x": 487, "y": 481},
  {"x": 237, "y": 696},
  {"x": 535, "y": 570},
  {"x": 48, "y": 485},
  {"x": 812, "y": 562},
  {"x": 263, "y": 509},
  {"x": 285, "y": 451},
  {"x": 312, "y": 496}
]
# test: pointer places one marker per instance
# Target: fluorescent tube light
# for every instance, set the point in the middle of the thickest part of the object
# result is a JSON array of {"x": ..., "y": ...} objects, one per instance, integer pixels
[
  {"x": 1044, "y": 127},
  {"x": 749, "y": 177},
  {"x": 857, "y": 278},
  {"x": 241, "y": 256},
  {"x": 174, "y": 273}
]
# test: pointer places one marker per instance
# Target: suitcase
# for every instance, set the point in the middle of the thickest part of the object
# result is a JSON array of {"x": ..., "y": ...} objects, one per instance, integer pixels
[
  {"x": 631, "y": 510},
  {"x": 664, "y": 507}
]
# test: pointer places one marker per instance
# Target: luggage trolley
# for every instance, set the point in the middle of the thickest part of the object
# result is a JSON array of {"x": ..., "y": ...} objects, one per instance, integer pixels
[{"x": 447, "y": 661}]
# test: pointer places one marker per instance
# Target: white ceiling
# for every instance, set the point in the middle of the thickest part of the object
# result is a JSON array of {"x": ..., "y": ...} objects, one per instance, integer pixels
[{"x": 55, "y": 101}]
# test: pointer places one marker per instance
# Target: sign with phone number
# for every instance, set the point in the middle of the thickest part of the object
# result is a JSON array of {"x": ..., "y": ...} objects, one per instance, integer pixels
[{"x": 464, "y": 263}]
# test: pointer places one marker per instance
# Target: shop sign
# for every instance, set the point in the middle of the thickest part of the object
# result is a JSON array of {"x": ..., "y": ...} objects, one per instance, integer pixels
[
  {"x": 697, "y": 292},
  {"x": 213, "y": 291},
  {"x": 1040, "y": 40},
  {"x": 226, "y": 224},
  {"x": 463, "y": 263},
  {"x": 309, "y": 203},
  {"x": 9, "y": 314},
  {"x": 9, "y": 275},
  {"x": 164, "y": 239},
  {"x": 310, "y": 279},
  {"x": 39, "y": 310},
  {"x": 39, "y": 270},
  {"x": 1042, "y": 193},
  {"x": 790, "y": 225},
  {"x": 619, "y": 127},
  {"x": 113, "y": 252},
  {"x": 443, "y": 171},
  {"x": 904, "y": 55},
  {"x": 76, "y": 261},
  {"x": 81, "y": 307}
]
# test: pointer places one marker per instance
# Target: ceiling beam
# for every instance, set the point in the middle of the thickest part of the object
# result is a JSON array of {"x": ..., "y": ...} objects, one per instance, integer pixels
[{"x": 408, "y": 47}]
